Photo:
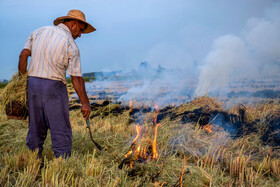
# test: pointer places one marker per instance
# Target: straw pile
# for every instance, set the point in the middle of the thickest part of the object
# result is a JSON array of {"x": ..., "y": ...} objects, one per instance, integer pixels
[{"x": 15, "y": 92}]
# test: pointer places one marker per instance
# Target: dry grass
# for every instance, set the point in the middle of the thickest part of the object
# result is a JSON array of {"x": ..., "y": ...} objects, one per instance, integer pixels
[
  {"x": 15, "y": 90},
  {"x": 261, "y": 111},
  {"x": 187, "y": 154},
  {"x": 200, "y": 102}
]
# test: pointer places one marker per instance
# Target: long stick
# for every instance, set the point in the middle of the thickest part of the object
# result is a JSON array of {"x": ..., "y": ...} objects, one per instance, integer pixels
[{"x": 95, "y": 143}]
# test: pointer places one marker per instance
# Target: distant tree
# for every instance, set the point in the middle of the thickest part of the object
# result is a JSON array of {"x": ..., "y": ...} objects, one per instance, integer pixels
[
  {"x": 160, "y": 69},
  {"x": 144, "y": 66}
]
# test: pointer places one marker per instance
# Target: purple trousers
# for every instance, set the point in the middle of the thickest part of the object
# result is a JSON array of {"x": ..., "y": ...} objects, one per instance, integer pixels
[{"x": 48, "y": 109}]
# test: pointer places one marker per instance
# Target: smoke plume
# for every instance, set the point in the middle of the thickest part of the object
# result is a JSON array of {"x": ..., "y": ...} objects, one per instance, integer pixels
[{"x": 255, "y": 54}]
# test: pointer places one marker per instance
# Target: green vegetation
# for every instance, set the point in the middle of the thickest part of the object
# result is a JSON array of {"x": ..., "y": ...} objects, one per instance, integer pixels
[
  {"x": 188, "y": 155},
  {"x": 3, "y": 84},
  {"x": 86, "y": 79}
]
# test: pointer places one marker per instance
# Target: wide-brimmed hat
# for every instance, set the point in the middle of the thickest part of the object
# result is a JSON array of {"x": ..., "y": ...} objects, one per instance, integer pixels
[{"x": 77, "y": 15}]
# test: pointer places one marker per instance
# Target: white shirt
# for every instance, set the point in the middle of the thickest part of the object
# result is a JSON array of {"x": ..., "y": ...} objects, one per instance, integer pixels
[{"x": 53, "y": 50}]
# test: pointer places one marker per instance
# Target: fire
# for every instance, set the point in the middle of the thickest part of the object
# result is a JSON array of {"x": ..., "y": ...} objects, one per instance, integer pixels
[
  {"x": 142, "y": 150},
  {"x": 155, "y": 154},
  {"x": 162, "y": 184},
  {"x": 130, "y": 103},
  {"x": 138, "y": 129},
  {"x": 208, "y": 128},
  {"x": 129, "y": 153},
  {"x": 155, "y": 117},
  {"x": 139, "y": 148},
  {"x": 183, "y": 171},
  {"x": 173, "y": 104},
  {"x": 156, "y": 107},
  {"x": 132, "y": 147}
]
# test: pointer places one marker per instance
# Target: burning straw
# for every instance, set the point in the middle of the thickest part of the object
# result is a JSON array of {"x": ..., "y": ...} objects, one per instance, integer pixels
[{"x": 144, "y": 151}]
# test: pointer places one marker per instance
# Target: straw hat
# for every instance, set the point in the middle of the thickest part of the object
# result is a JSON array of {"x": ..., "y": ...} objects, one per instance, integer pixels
[{"x": 77, "y": 15}]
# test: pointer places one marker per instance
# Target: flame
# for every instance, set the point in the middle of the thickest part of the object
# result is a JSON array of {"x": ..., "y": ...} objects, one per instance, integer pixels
[
  {"x": 208, "y": 128},
  {"x": 129, "y": 153},
  {"x": 130, "y": 103},
  {"x": 144, "y": 152},
  {"x": 173, "y": 104},
  {"x": 138, "y": 148},
  {"x": 183, "y": 171},
  {"x": 154, "y": 146},
  {"x": 155, "y": 154},
  {"x": 155, "y": 118},
  {"x": 156, "y": 107},
  {"x": 138, "y": 129}
]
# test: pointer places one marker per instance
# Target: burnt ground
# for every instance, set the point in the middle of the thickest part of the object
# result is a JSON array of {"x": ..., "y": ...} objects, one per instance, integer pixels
[{"x": 235, "y": 124}]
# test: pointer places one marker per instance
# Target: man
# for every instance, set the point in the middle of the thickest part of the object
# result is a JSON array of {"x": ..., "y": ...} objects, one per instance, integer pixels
[{"x": 53, "y": 51}]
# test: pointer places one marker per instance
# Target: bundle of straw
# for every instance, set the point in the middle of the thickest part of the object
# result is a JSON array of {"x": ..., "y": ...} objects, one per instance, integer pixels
[{"x": 15, "y": 90}]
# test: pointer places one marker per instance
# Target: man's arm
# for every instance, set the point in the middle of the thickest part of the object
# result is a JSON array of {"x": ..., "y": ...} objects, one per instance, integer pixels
[
  {"x": 79, "y": 86},
  {"x": 22, "y": 63}
]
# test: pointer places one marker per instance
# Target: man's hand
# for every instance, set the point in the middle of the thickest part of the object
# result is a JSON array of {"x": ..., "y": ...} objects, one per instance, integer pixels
[
  {"x": 79, "y": 86},
  {"x": 85, "y": 110}
]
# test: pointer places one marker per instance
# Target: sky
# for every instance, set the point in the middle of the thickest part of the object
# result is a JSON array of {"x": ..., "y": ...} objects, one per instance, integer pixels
[{"x": 182, "y": 34}]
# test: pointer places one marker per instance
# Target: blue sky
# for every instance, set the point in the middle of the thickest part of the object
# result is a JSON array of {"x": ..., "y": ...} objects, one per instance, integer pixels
[{"x": 172, "y": 34}]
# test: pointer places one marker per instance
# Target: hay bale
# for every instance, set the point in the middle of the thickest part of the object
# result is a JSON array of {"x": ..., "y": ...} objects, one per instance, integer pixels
[
  {"x": 15, "y": 110},
  {"x": 14, "y": 97}
]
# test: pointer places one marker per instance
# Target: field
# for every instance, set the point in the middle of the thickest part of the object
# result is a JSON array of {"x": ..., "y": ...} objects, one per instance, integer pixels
[{"x": 196, "y": 143}]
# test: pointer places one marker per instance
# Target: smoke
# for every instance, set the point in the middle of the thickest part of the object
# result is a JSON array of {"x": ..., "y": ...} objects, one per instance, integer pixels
[
  {"x": 224, "y": 61},
  {"x": 255, "y": 54},
  {"x": 263, "y": 34},
  {"x": 161, "y": 88},
  {"x": 144, "y": 86}
]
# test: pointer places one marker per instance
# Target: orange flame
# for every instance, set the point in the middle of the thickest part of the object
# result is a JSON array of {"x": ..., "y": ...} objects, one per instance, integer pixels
[
  {"x": 208, "y": 128},
  {"x": 183, "y": 171},
  {"x": 173, "y": 104},
  {"x": 138, "y": 129},
  {"x": 155, "y": 118},
  {"x": 143, "y": 151},
  {"x": 138, "y": 148},
  {"x": 154, "y": 146},
  {"x": 155, "y": 154},
  {"x": 156, "y": 107},
  {"x": 129, "y": 153},
  {"x": 130, "y": 103}
]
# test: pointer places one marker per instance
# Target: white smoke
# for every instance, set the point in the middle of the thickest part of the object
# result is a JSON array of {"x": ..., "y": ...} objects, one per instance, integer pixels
[
  {"x": 263, "y": 34},
  {"x": 162, "y": 90},
  {"x": 224, "y": 61},
  {"x": 254, "y": 54}
]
